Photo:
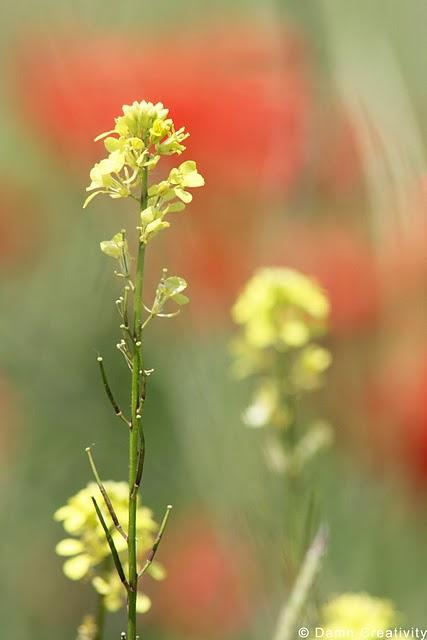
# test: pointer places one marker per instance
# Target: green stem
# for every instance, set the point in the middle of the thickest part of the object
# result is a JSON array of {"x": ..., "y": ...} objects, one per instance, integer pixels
[
  {"x": 135, "y": 439},
  {"x": 293, "y": 610},
  {"x": 157, "y": 541},
  {"x": 114, "y": 554},
  {"x": 100, "y": 618}
]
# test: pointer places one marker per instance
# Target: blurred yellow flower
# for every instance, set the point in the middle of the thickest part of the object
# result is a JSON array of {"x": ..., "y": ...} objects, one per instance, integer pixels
[
  {"x": 281, "y": 308},
  {"x": 360, "y": 614},
  {"x": 88, "y": 550},
  {"x": 87, "y": 629},
  {"x": 281, "y": 313}
]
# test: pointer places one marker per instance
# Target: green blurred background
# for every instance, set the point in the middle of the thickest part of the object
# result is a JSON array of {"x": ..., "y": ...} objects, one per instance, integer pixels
[{"x": 308, "y": 121}]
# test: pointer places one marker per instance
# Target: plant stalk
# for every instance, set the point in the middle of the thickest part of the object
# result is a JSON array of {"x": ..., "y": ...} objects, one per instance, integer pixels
[
  {"x": 100, "y": 618},
  {"x": 135, "y": 440}
]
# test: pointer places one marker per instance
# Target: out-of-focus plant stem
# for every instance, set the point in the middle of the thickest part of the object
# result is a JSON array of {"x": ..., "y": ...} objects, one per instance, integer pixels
[
  {"x": 292, "y": 612},
  {"x": 136, "y": 436},
  {"x": 100, "y": 618}
]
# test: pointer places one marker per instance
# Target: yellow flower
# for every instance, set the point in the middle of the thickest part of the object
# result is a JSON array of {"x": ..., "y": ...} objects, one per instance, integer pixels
[
  {"x": 139, "y": 117},
  {"x": 140, "y": 137},
  {"x": 282, "y": 308},
  {"x": 111, "y": 588},
  {"x": 281, "y": 312},
  {"x": 358, "y": 613},
  {"x": 88, "y": 547},
  {"x": 160, "y": 129},
  {"x": 88, "y": 629},
  {"x": 310, "y": 363}
]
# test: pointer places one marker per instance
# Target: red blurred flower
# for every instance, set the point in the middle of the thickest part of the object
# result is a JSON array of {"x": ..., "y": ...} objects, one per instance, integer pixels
[
  {"x": 209, "y": 592},
  {"x": 398, "y": 404},
  {"x": 405, "y": 247},
  {"x": 240, "y": 91},
  {"x": 338, "y": 166}
]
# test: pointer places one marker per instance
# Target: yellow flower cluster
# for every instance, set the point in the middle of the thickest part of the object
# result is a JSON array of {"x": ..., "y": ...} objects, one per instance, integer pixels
[
  {"x": 87, "y": 550},
  {"x": 140, "y": 137},
  {"x": 280, "y": 308},
  {"x": 358, "y": 614},
  {"x": 169, "y": 196},
  {"x": 280, "y": 312}
]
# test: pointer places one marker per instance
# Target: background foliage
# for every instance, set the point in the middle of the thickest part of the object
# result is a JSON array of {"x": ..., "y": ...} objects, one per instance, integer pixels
[{"x": 308, "y": 121}]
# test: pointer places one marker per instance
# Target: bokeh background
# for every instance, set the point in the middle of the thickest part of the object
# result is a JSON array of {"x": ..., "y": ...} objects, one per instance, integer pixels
[{"x": 309, "y": 122}]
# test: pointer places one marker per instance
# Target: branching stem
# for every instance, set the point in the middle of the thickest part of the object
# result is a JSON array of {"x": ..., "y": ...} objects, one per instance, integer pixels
[
  {"x": 112, "y": 546},
  {"x": 109, "y": 393},
  {"x": 157, "y": 541},
  {"x": 105, "y": 495}
]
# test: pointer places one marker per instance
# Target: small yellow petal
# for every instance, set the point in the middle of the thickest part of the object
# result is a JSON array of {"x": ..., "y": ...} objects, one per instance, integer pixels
[{"x": 77, "y": 567}]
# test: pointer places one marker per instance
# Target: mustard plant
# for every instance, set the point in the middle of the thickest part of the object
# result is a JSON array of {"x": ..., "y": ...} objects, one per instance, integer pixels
[
  {"x": 359, "y": 615},
  {"x": 282, "y": 314},
  {"x": 109, "y": 536}
]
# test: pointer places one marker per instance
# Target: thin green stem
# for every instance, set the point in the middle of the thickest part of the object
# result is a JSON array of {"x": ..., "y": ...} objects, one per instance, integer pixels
[
  {"x": 157, "y": 541},
  {"x": 105, "y": 495},
  {"x": 136, "y": 443},
  {"x": 109, "y": 393},
  {"x": 140, "y": 465},
  {"x": 112, "y": 546},
  {"x": 100, "y": 618}
]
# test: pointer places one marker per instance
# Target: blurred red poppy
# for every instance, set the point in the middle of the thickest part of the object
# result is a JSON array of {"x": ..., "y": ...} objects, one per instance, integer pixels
[
  {"x": 209, "y": 592},
  {"x": 405, "y": 247},
  {"x": 241, "y": 92},
  {"x": 336, "y": 159},
  {"x": 398, "y": 405}
]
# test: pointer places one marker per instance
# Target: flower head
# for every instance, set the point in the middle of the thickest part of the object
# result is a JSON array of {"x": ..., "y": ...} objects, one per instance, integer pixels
[
  {"x": 281, "y": 313},
  {"x": 87, "y": 549},
  {"x": 140, "y": 137},
  {"x": 359, "y": 613},
  {"x": 139, "y": 117},
  {"x": 281, "y": 308}
]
